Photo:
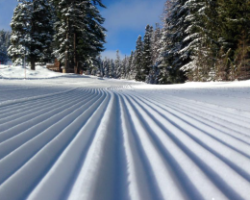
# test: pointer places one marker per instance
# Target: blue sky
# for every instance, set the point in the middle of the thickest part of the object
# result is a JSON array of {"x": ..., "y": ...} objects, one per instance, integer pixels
[{"x": 125, "y": 21}]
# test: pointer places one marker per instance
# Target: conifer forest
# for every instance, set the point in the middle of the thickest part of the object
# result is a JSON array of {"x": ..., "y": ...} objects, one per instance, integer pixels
[{"x": 198, "y": 40}]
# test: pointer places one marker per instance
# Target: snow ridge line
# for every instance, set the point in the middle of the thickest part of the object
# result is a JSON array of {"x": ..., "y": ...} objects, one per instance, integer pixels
[
  {"x": 22, "y": 123},
  {"x": 209, "y": 141},
  {"x": 208, "y": 106},
  {"x": 221, "y": 184},
  {"x": 34, "y": 104},
  {"x": 203, "y": 119},
  {"x": 77, "y": 148},
  {"x": 22, "y": 137},
  {"x": 49, "y": 154},
  {"x": 5, "y": 103},
  {"x": 112, "y": 142},
  {"x": 40, "y": 140},
  {"x": 184, "y": 113},
  {"x": 206, "y": 112},
  {"x": 36, "y": 111}
]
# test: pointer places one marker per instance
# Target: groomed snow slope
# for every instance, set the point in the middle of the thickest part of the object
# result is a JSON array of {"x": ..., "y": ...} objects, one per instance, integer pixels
[{"x": 83, "y": 138}]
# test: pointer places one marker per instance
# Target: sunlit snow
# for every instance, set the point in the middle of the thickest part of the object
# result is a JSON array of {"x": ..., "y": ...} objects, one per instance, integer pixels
[{"x": 81, "y": 137}]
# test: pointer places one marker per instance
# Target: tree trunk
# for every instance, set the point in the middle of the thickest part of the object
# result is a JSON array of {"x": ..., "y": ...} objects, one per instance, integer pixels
[
  {"x": 76, "y": 67},
  {"x": 66, "y": 60},
  {"x": 32, "y": 64}
]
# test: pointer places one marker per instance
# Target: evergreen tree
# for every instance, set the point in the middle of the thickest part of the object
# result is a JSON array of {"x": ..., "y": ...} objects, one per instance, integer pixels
[
  {"x": 175, "y": 53},
  {"x": 156, "y": 49},
  {"x": 130, "y": 69},
  {"x": 4, "y": 45},
  {"x": 32, "y": 32},
  {"x": 117, "y": 66},
  {"x": 20, "y": 25},
  {"x": 156, "y": 43},
  {"x": 124, "y": 65},
  {"x": 138, "y": 60},
  {"x": 241, "y": 68},
  {"x": 234, "y": 29},
  {"x": 80, "y": 35},
  {"x": 147, "y": 53},
  {"x": 205, "y": 39},
  {"x": 106, "y": 67},
  {"x": 199, "y": 41},
  {"x": 164, "y": 65},
  {"x": 112, "y": 68}
]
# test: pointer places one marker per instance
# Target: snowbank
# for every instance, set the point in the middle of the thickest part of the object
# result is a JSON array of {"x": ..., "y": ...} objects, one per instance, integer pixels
[
  {"x": 41, "y": 72},
  {"x": 196, "y": 85},
  {"x": 19, "y": 72}
]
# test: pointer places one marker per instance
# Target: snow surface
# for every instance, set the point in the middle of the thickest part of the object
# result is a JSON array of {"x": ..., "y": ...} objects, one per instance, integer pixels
[
  {"x": 81, "y": 137},
  {"x": 9, "y": 71}
]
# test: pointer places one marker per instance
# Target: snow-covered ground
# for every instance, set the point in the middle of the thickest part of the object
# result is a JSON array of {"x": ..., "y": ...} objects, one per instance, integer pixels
[
  {"x": 9, "y": 71},
  {"x": 79, "y": 137}
]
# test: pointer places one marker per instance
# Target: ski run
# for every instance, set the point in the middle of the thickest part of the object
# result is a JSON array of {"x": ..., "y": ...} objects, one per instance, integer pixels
[{"x": 88, "y": 138}]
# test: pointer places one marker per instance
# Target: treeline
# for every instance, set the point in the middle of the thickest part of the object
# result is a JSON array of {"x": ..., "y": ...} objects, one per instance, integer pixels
[
  {"x": 4, "y": 45},
  {"x": 113, "y": 68},
  {"x": 138, "y": 65},
  {"x": 201, "y": 40},
  {"x": 69, "y": 30}
]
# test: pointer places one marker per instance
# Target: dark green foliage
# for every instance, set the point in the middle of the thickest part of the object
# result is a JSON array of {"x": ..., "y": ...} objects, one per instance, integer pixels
[
  {"x": 138, "y": 60},
  {"x": 202, "y": 40},
  {"x": 79, "y": 33},
  {"x": 4, "y": 45},
  {"x": 175, "y": 53},
  {"x": 234, "y": 29},
  {"x": 32, "y": 32},
  {"x": 147, "y": 61}
]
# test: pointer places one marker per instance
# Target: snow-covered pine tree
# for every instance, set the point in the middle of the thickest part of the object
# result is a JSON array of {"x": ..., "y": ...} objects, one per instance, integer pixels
[
  {"x": 112, "y": 68},
  {"x": 90, "y": 42},
  {"x": 138, "y": 60},
  {"x": 123, "y": 67},
  {"x": 80, "y": 35},
  {"x": 130, "y": 68},
  {"x": 41, "y": 32},
  {"x": 4, "y": 45},
  {"x": 156, "y": 49},
  {"x": 147, "y": 53},
  {"x": 133, "y": 69},
  {"x": 198, "y": 40},
  {"x": 108, "y": 67},
  {"x": 156, "y": 43},
  {"x": 64, "y": 38},
  {"x": 174, "y": 53},
  {"x": 32, "y": 32},
  {"x": 127, "y": 67},
  {"x": 118, "y": 66},
  {"x": 105, "y": 63},
  {"x": 234, "y": 18},
  {"x": 163, "y": 65},
  {"x": 20, "y": 30},
  {"x": 98, "y": 63}
]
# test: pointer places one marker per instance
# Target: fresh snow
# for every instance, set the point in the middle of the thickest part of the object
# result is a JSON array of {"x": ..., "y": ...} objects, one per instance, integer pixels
[
  {"x": 9, "y": 71},
  {"x": 82, "y": 137}
]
